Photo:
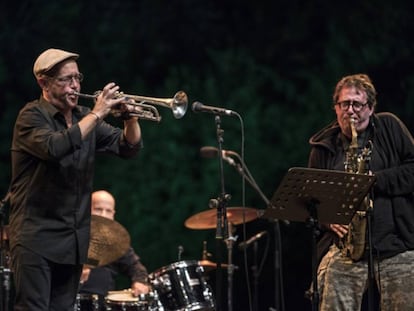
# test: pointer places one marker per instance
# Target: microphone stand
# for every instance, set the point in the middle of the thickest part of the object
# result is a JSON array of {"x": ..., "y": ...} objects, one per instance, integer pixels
[
  {"x": 255, "y": 269},
  {"x": 222, "y": 222},
  {"x": 230, "y": 267},
  {"x": 245, "y": 173}
]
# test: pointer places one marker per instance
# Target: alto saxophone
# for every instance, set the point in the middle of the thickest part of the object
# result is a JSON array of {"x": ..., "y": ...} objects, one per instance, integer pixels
[{"x": 353, "y": 244}]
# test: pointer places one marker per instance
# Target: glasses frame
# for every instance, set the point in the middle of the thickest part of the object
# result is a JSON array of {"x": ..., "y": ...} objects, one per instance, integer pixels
[
  {"x": 67, "y": 80},
  {"x": 356, "y": 105}
]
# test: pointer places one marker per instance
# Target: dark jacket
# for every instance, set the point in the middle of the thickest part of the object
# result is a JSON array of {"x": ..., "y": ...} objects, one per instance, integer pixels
[
  {"x": 52, "y": 175},
  {"x": 392, "y": 162},
  {"x": 102, "y": 279}
]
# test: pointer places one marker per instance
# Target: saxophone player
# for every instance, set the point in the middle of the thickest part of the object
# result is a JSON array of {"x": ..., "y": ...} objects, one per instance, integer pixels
[{"x": 342, "y": 280}]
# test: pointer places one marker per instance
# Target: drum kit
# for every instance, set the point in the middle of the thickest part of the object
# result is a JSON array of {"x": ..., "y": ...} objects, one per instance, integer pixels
[{"x": 180, "y": 286}]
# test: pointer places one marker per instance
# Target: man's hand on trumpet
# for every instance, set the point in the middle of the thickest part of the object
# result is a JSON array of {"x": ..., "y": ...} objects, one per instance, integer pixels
[
  {"x": 106, "y": 100},
  {"x": 127, "y": 109},
  {"x": 112, "y": 101}
]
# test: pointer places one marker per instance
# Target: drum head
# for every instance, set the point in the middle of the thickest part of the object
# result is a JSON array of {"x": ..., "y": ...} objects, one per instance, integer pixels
[{"x": 121, "y": 296}]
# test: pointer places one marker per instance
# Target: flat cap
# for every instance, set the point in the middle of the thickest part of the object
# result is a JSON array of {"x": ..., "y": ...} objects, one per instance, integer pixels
[{"x": 50, "y": 58}]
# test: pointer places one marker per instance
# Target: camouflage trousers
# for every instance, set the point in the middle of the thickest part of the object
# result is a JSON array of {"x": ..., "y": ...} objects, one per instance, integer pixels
[{"x": 342, "y": 282}]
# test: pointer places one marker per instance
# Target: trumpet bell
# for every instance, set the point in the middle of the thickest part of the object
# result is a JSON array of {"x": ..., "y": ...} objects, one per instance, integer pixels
[{"x": 179, "y": 104}]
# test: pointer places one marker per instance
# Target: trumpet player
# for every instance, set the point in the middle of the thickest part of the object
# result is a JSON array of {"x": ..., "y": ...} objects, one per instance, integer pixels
[
  {"x": 342, "y": 279},
  {"x": 53, "y": 153}
]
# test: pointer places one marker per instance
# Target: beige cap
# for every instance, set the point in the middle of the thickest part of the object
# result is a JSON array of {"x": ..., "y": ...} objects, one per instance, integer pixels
[{"x": 49, "y": 58}]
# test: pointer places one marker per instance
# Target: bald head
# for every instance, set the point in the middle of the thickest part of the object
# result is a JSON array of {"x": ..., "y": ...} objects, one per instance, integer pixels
[{"x": 103, "y": 204}]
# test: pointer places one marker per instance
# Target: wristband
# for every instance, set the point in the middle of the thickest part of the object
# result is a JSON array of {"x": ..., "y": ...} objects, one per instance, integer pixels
[{"x": 96, "y": 116}]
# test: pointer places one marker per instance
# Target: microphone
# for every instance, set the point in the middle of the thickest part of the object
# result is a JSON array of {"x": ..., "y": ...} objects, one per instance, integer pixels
[
  {"x": 199, "y": 107},
  {"x": 213, "y": 152},
  {"x": 246, "y": 244}
]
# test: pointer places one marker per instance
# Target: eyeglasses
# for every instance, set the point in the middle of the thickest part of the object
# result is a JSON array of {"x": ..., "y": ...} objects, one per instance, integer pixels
[
  {"x": 356, "y": 105},
  {"x": 66, "y": 80}
]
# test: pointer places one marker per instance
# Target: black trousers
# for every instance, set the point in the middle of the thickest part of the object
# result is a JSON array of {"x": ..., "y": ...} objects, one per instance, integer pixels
[{"x": 43, "y": 285}]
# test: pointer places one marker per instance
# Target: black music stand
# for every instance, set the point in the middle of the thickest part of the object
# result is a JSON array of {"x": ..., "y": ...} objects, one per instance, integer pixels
[{"x": 313, "y": 195}]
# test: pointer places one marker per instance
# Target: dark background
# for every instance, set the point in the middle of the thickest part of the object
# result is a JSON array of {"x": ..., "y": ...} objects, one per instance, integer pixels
[{"x": 274, "y": 62}]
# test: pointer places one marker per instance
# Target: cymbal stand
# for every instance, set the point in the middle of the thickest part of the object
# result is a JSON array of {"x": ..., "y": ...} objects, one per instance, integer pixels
[
  {"x": 205, "y": 254},
  {"x": 5, "y": 271}
]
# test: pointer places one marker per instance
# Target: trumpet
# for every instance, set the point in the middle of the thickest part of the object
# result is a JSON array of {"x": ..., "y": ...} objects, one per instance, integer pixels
[{"x": 143, "y": 106}]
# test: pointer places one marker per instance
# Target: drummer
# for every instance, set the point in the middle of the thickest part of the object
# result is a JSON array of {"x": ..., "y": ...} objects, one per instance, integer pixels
[{"x": 100, "y": 280}]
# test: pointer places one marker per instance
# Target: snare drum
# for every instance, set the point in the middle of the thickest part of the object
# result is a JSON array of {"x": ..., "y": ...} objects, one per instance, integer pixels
[
  {"x": 86, "y": 302},
  {"x": 181, "y": 286},
  {"x": 124, "y": 301}
]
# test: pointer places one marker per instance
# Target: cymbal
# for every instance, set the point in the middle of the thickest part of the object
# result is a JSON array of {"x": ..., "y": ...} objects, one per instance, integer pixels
[
  {"x": 209, "y": 265},
  {"x": 208, "y": 219},
  {"x": 109, "y": 240}
]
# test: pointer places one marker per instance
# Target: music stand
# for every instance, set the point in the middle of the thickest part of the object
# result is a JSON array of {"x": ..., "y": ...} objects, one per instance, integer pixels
[{"x": 313, "y": 195}]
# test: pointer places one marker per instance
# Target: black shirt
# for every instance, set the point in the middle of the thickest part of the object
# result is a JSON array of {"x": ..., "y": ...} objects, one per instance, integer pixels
[{"x": 52, "y": 176}]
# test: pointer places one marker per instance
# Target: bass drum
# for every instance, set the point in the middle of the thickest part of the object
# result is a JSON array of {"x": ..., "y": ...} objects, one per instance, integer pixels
[
  {"x": 124, "y": 301},
  {"x": 181, "y": 287}
]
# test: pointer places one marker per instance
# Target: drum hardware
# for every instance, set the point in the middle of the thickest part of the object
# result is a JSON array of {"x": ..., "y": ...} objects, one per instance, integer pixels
[
  {"x": 210, "y": 265},
  {"x": 205, "y": 262},
  {"x": 180, "y": 251},
  {"x": 205, "y": 254},
  {"x": 109, "y": 240}
]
